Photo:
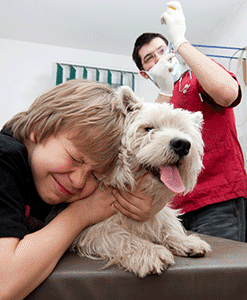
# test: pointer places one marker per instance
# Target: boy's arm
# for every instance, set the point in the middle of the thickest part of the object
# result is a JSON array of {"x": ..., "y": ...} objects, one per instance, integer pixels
[{"x": 26, "y": 263}]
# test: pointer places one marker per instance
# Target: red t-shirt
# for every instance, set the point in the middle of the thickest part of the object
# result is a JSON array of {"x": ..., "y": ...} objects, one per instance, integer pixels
[{"x": 224, "y": 176}]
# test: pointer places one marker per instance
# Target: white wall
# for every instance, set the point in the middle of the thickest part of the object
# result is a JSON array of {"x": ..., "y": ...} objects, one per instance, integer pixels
[{"x": 29, "y": 69}]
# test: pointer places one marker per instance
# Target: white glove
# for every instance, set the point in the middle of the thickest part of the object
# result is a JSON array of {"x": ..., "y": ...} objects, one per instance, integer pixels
[
  {"x": 161, "y": 74},
  {"x": 174, "y": 18}
]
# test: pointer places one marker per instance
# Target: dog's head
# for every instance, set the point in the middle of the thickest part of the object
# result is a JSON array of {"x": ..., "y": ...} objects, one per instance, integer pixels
[{"x": 161, "y": 140}]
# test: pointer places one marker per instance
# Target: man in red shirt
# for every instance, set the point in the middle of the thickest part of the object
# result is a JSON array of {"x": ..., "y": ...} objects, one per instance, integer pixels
[{"x": 217, "y": 205}]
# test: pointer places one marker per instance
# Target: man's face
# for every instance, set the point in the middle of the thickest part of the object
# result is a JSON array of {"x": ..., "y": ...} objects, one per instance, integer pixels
[
  {"x": 61, "y": 172},
  {"x": 151, "y": 53}
]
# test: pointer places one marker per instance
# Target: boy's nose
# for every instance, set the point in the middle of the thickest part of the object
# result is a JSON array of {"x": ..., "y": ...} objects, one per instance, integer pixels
[{"x": 79, "y": 176}]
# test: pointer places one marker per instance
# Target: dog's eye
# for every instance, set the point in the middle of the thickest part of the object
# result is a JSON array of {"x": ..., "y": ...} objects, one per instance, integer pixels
[{"x": 148, "y": 128}]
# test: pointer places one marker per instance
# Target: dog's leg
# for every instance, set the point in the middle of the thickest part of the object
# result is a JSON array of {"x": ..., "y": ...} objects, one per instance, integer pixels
[
  {"x": 111, "y": 241},
  {"x": 143, "y": 257},
  {"x": 174, "y": 236}
]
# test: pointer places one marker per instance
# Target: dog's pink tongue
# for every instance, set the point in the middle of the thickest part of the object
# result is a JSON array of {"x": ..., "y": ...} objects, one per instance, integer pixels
[{"x": 170, "y": 176}]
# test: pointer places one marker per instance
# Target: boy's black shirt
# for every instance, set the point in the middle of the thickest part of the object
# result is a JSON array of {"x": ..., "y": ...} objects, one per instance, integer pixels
[{"x": 21, "y": 209}]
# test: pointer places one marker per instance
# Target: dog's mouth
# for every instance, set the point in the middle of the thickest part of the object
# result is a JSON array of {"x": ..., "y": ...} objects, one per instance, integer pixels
[{"x": 170, "y": 176}]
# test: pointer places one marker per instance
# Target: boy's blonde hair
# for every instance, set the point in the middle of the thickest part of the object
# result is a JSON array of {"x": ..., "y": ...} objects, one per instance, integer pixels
[{"x": 87, "y": 108}]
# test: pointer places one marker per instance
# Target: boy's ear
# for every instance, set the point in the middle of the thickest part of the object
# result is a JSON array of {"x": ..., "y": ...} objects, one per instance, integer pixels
[{"x": 144, "y": 74}]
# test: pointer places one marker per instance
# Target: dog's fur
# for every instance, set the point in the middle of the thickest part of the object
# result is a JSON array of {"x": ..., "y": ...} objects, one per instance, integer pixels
[{"x": 148, "y": 247}]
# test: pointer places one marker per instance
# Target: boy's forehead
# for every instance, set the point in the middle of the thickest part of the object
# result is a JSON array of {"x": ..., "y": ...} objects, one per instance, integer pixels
[{"x": 152, "y": 46}]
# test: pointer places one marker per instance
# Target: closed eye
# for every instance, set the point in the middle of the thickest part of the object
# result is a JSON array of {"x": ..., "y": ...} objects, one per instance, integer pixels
[
  {"x": 96, "y": 176},
  {"x": 77, "y": 161}
]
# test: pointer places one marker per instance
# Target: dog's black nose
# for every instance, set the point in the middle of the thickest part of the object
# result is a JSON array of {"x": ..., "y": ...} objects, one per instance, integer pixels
[{"x": 180, "y": 146}]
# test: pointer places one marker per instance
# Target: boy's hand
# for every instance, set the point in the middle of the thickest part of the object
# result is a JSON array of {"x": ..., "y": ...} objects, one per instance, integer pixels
[
  {"x": 134, "y": 205},
  {"x": 97, "y": 207}
]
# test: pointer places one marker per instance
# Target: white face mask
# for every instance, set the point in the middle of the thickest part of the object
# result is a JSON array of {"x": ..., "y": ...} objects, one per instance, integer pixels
[
  {"x": 176, "y": 72},
  {"x": 151, "y": 77}
]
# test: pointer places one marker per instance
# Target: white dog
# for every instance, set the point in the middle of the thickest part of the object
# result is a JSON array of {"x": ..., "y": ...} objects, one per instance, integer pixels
[{"x": 165, "y": 144}]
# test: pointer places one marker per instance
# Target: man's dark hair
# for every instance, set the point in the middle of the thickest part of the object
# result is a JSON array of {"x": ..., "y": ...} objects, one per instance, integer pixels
[{"x": 142, "y": 40}]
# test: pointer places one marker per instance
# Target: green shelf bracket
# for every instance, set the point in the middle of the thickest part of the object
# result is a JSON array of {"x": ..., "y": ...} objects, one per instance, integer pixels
[
  {"x": 59, "y": 78},
  {"x": 109, "y": 77},
  {"x": 84, "y": 73},
  {"x": 121, "y": 78},
  {"x": 133, "y": 81},
  {"x": 72, "y": 72},
  {"x": 97, "y": 74}
]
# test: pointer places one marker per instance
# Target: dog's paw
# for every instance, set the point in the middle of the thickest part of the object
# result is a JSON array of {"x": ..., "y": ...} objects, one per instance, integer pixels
[
  {"x": 191, "y": 245},
  {"x": 153, "y": 260},
  {"x": 197, "y": 247}
]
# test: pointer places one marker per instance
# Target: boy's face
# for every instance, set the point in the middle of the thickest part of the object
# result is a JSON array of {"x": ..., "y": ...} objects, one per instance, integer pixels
[
  {"x": 151, "y": 53},
  {"x": 61, "y": 172}
]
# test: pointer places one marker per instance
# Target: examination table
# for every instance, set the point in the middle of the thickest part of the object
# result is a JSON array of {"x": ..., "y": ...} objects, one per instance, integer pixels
[{"x": 221, "y": 274}]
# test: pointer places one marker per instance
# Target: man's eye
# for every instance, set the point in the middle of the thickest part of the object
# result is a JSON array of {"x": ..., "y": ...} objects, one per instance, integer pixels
[{"x": 147, "y": 59}]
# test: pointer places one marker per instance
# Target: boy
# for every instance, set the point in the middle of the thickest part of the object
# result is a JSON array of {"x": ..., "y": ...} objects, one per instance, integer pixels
[{"x": 54, "y": 153}]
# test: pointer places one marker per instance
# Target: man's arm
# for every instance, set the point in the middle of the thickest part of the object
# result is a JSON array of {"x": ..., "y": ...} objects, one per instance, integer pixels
[
  {"x": 162, "y": 98},
  {"x": 216, "y": 81}
]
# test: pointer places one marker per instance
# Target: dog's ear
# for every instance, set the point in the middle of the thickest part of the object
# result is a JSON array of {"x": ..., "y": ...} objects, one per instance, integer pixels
[
  {"x": 126, "y": 96},
  {"x": 197, "y": 118}
]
